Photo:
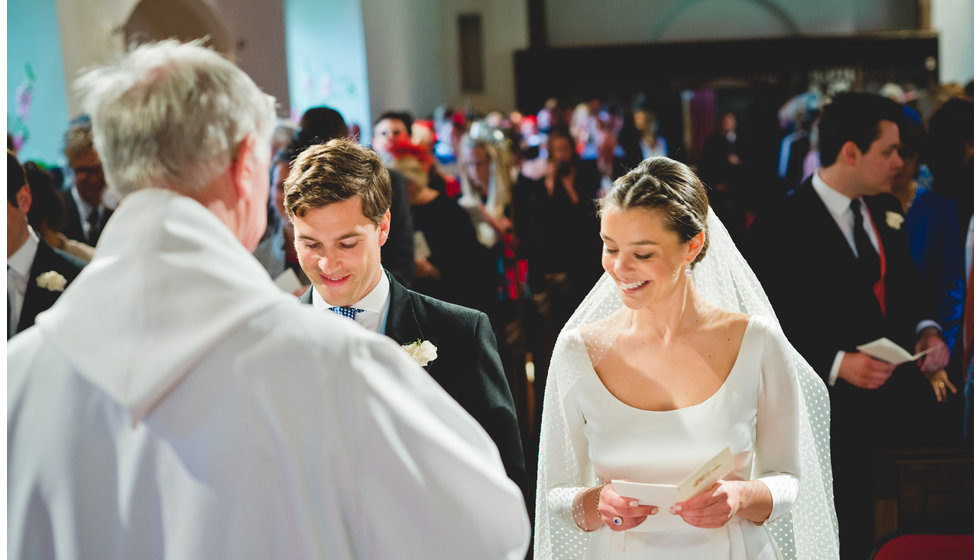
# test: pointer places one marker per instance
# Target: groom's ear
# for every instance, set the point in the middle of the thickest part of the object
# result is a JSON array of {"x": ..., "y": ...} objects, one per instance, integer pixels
[{"x": 384, "y": 227}]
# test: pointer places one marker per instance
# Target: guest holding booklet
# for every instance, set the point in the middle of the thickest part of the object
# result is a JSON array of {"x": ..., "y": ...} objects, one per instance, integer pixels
[{"x": 673, "y": 356}]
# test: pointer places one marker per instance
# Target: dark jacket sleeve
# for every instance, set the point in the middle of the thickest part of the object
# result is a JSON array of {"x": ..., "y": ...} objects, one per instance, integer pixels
[
  {"x": 500, "y": 419},
  {"x": 795, "y": 296}
]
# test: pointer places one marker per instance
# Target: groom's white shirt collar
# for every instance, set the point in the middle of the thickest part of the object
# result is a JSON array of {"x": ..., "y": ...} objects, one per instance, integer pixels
[
  {"x": 375, "y": 305},
  {"x": 23, "y": 259}
]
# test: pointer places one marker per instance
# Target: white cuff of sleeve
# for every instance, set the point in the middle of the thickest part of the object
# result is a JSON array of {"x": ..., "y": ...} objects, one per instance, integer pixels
[
  {"x": 784, "y": 489},
  {"x": 835, "y": 368},
  {"x": 922, "y": 325},
  {"x": 561, "y": 500}
]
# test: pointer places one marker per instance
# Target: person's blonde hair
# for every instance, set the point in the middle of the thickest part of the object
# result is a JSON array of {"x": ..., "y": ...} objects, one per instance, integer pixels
[
  {"x": 499, "y": 189},
  {"x": 78, "y": 140}
]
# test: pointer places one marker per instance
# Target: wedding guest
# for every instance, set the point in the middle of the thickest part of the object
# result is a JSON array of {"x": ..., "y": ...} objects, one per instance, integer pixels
[
  {"x": 674, "y": 355},
  {"x": 485, "y": 180},
  {"x": 37, "y": 274},
  {"x": 175, "y": 404},
  {"x": 47, "y": 215},
  {"x": 338, "y": 197},
  {"x": 282, "y": 136},
  {"x": 87, "y": 211},
  {"x": 556, "y": 223},
  {"x": 533, "y": 158},
  {"x": 276, "y": 251},
  {"x": 486, "y": 197},
  {"x": 934, "y": 241},
  {"x": 639, "y": 139},
  {"x": 449, "y": 262},
  {"x": 389, "y": 127},
  {"x": 399, "y": 253},
  {"x": 450, "y": 126},
  {"x": 834, "y": 258},
  {"x": 723, "y": 171},
  {"x": 423, "y": 135},
  {"x": 949, "y": 154}
]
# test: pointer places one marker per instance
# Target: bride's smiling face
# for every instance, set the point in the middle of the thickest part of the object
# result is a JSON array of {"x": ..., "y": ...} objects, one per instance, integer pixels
[{"x": 645, "y": 258}]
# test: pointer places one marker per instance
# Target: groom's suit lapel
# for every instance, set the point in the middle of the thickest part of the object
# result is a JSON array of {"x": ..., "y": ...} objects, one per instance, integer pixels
[
  {"x": 38, "y": 299},
  {"x": 403, "y": 324}
]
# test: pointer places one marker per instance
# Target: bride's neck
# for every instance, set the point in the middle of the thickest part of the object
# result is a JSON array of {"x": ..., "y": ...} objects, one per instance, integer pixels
[{"x": 680, "y": 312}]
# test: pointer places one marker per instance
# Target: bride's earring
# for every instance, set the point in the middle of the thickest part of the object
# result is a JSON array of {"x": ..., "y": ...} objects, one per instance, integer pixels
[{"x": 687, "y": 269}]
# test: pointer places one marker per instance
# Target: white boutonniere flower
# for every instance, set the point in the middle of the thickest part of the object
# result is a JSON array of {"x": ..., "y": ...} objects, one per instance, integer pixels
[
  {"x": 421, "y": 351},
  {"x": 51, "y": 280},
  {"x": 894, "y": 219}
]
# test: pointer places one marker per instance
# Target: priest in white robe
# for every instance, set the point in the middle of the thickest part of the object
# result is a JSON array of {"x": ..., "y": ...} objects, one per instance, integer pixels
[{"x": 175, "y": 404}]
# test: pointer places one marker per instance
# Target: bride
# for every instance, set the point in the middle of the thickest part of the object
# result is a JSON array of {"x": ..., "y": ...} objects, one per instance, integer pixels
[{"x": 674, "y": 355}]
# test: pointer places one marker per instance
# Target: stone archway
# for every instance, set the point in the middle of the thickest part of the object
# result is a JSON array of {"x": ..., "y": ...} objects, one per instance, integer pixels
[
  {"x": 185, "y": 20},
  {"x": 782, "y": 22}
]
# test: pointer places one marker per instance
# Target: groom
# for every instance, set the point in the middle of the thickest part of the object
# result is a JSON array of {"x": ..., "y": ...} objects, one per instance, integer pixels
[
  {"x": 30, "y": 261},
  {"x": 338, "y": 197}
]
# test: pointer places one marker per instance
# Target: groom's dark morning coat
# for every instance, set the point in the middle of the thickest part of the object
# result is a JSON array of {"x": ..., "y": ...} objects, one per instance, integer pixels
[
  {"x": 38, "y": 299},
  {"x": 468, "y": 365}
]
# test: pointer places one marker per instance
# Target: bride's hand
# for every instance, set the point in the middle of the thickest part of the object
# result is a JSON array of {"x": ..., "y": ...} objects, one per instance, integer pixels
[
  {"x": 628, "y": 511},
  {"x": 712, "y": 508}
]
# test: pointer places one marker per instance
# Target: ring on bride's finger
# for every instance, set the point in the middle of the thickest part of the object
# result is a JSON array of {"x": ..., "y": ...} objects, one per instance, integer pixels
[{"x": 617, "y": 520}]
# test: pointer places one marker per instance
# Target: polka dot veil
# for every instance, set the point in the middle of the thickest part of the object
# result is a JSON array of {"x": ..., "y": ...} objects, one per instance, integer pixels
[{"x": 722, "y": 278}]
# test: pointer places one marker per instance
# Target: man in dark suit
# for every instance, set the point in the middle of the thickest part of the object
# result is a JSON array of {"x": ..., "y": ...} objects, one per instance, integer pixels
[
  {"x": 36, "y": 273},
  {"x": 87, "y": 214},
  {"x": 337, "y": 196},
  {"x": 834, "y": 259}
]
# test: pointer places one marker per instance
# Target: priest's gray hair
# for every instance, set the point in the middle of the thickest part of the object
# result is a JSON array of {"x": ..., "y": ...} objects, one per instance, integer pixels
[{"x": 172, "y": 115}]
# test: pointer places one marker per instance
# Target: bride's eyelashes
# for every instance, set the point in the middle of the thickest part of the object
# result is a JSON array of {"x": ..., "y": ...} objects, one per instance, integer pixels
[{"x": 635, "y": 255}]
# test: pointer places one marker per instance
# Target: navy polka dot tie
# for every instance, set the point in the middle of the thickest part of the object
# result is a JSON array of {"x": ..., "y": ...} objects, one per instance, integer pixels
[{"x": 349, "y": 312}]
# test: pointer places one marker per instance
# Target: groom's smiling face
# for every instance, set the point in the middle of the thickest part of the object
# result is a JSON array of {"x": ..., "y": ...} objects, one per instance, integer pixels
[{"x": 339, "y": 249}]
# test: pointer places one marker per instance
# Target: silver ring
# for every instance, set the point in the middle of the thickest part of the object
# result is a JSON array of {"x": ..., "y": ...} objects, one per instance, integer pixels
[{"x": 617, "y": 520}]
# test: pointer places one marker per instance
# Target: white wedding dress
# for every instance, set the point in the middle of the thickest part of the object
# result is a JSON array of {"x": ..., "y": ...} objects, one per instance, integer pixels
[
  {"x": 628, "y": 443},
  {"x": 772, "y": 410}
]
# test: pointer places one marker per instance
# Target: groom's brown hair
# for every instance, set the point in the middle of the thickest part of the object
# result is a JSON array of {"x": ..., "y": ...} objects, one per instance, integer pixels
[{"x": 336, "y": 171}]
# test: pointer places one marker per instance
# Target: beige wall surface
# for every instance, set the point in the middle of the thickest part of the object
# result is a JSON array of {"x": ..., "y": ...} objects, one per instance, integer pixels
[
  {"x": 411, "y": 47},
  {"x": 93, "y": 33},
  {"x": 585, "y": 22}
]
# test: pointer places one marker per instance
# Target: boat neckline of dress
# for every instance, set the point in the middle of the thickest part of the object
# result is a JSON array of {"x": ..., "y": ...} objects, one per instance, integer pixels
[{"x": 738, "y": 359}]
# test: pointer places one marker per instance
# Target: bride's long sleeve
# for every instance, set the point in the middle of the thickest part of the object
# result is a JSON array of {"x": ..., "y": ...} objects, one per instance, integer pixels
[
  {"x": 564, "y": 468},
  {"x": 777, "y": 463}
]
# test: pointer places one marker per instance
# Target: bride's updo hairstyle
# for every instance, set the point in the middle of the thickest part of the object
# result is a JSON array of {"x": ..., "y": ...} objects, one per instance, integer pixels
[{"x": 668, "y": 187}]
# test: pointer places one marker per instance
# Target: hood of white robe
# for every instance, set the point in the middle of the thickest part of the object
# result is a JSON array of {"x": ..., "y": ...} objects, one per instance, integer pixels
[{"x": 169, "y": 282}]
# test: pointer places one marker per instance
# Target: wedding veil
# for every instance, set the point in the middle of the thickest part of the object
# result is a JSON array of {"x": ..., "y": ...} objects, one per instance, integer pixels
[{"x": 723, "y": 278}]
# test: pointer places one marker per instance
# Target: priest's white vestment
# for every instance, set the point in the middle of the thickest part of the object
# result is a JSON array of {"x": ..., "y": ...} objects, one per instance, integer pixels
[{"x": 174, "y": 404}]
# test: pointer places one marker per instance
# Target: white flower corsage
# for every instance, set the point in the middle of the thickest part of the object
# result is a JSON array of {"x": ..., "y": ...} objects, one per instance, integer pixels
[
  {"x": 51, "y": 280},
  {"x": 894, "y": 219},
  {"x": 421, "y": 351}
]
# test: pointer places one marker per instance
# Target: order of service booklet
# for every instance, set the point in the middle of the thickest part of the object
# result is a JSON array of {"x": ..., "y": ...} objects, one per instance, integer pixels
[
  {"x": 889, "y": 352},
  {"x": 665, "y": 495}
]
